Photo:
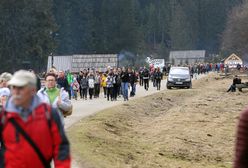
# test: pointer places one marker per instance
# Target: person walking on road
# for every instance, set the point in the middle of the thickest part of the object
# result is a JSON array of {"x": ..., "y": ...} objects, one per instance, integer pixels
[
  {"x": 91, "y": 82},
  {"x": 31, "y": 131},
  {"x": 110, "y": 86},
  {"x": 57, "y": 98},
  {"x": 125, "y": 83},
  {"x": 133, "y": 81},
  {"x": 62, "y": 82},
  {"x": 153, "y": 77},
  {"x": 117, "y": 84},
  {"x": 70, "y": 78},
  {"x": 158, "y": 77},
  {"x": 80, "y": 76},
  {"x": 97, "y": 84},
  {"x": 84, "y": 85},
  {"x": 141, "y": 80},
  {"x": 146, "y": 77},
  {"x": 75, "y": 87},
  {"x": 104, "y": 84}
]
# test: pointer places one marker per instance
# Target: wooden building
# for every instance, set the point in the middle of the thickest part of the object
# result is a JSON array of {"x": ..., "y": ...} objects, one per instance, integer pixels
[
  {"x": 187, "y": 57},
  {"x": 233, "y": 60},
  {"x": 76, "y": 63}
]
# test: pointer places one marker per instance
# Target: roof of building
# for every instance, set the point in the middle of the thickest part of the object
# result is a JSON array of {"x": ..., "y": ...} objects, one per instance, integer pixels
[{"x": 233, "y": 58}]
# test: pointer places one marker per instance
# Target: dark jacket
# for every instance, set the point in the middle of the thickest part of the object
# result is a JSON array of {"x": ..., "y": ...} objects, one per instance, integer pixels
[
  {"x": 132, "y": 78},
  {"x": 79, "y": 78},
  {"x": 125, "y": 77},
  {"x": 110, "y": 81},
  {"x": 146, "y": 74},
  {"x": 117, "y": 79},
  {"x": 63, "y": 83},
  {"x": 236, "y": 81},
  {"x": 158, "y": 75},
  {"x": 84, "y": 83}
]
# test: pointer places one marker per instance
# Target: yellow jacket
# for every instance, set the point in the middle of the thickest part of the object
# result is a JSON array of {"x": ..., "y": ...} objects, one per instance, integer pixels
[{"x": 104, "y": 81}]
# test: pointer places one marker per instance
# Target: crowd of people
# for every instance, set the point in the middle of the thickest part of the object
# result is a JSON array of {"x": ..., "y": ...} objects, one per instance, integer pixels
[
  {"x": 113, "y": 83},
  {"x": 89, "y": 83}
]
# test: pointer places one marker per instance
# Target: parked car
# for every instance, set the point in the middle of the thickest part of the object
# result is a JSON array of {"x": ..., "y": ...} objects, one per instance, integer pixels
[{"x": 179, "y": 77}]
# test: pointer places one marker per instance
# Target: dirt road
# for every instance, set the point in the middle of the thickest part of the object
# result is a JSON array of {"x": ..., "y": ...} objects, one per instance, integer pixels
[
  {"x": 85, "y": 108},
  {"x": 179, "y": 128}
]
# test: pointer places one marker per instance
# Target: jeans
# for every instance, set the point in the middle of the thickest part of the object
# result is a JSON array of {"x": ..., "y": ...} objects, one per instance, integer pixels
[
  {"x": 84, "y": 93},
  {"x": 75, "y": 94},
  {"x": 105, "y": 91},
  {"x": 134, "y": 89},
  {"x": 133, "y": 92},
  {"x": 115, "y": 91},
  {"x": 146, "y": 84},
  {"x": 158, "y": 82},
  {"x": 124, "y": 88},
  {"x": 80, "y": 92},
  {"x": 141, "y": 81},
  {"x": 91, "y": 92},
  {"x": 154, "y": 83},
  {"x": 232, "y": 88},
  {"x": 110, "y": 93},
  {"x": 72, "y": 92},
  {"x": 97, "y": 90}
]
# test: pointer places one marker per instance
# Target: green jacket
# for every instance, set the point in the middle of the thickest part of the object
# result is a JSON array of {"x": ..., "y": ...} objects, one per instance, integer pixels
[{"x": 70, "y": 78}]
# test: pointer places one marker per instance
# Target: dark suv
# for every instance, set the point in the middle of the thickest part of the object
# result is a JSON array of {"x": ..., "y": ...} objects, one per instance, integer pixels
[{"x": 179, "y": 77}]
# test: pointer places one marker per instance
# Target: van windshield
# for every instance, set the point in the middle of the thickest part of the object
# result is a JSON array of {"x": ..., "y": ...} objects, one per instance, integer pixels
[{"x": 179, "y": 71}]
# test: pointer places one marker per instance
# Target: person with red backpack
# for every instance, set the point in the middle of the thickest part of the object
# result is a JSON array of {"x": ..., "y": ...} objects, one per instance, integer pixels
[{"x": 31, "y": 132}]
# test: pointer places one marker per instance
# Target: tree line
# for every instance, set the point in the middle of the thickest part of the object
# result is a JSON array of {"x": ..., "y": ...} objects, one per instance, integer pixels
[
  {"x": 235, "y": 36},
  {"x": 30, "y": 30}
]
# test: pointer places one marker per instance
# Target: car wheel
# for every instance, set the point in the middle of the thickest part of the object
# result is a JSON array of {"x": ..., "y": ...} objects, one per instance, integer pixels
[
  {"x": 190, "y": 86},
  {"x": 168, "y": 87}
]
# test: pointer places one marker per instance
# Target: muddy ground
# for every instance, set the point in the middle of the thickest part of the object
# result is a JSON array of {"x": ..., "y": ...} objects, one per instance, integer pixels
[{"x": 172, "y": 129}]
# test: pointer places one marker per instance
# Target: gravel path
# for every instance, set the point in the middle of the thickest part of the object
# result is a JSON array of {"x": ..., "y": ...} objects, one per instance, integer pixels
[{"x": 85, "y": 108}]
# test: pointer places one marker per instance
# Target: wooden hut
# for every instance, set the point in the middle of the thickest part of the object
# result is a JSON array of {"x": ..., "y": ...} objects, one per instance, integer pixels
[
  {"x": 187, "y": 57},
  {"x": 233, "y": 60},
  {"x": 76, "y": 63}
]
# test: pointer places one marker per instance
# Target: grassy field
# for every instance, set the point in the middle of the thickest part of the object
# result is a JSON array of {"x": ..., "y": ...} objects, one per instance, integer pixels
[{"x": 171, "y": 129}]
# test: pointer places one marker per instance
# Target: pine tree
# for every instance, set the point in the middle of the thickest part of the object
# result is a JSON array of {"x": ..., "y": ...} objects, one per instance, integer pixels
[{"x": 25, "y": 28}]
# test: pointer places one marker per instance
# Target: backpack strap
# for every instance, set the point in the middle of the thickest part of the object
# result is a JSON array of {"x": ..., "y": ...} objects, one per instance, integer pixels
[
  {"x": 45, "y": 163},
  {"x": 48, "y": 114}
]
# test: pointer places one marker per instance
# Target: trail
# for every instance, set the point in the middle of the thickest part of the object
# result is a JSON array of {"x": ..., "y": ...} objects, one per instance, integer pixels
[{"x": 85, "y": 108}]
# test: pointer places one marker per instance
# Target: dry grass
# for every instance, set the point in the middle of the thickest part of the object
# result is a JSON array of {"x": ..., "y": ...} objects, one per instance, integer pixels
[{"x": 172, "y": 129}]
